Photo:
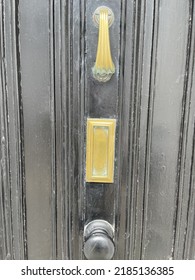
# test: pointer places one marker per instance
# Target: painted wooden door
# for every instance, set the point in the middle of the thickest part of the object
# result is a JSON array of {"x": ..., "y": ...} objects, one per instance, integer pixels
[{"x": 47, "y": 92}]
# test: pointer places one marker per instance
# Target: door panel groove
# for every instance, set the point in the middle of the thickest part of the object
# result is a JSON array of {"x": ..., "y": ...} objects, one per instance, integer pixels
[
  {"x": 120, "y": 151},
  {"x": 53, "y": 128},
  {"x": 149, "y": 128},
  {"x": 6, "y": 249},
  {"x": 189, "y": 235},
  {"x": 183, "y": 165}
]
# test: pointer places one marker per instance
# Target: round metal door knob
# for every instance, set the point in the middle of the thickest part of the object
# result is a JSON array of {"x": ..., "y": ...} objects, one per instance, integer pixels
[{"x": 98, "y": 236}]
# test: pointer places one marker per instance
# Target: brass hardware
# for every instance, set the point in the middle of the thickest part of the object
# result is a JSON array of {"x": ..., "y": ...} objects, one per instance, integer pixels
[
  {"x": 96, "y": 16},
  {"x": 104, "y": 67},
  {"x": 100, "y": 150}
]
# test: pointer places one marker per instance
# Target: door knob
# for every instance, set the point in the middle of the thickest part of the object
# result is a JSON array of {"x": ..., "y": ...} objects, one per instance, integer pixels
[{"x": 98, "y": 240}]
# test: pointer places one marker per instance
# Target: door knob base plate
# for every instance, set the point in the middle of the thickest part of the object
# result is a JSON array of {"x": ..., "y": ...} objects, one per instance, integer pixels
[{"x": 96, "y": 16}]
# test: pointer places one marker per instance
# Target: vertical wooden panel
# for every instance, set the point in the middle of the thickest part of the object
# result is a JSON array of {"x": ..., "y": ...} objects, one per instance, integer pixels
[
  {"x": 69, "y": 92},
  {"x": 6, "y": 249},
  {"x": 163, "y": 138},
  {"x": 154, "y": 89},
  {"x": 37, "y": 94},
  {"x": 134, "y": 101},
  {"x": 13, "y": 184}
]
